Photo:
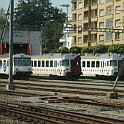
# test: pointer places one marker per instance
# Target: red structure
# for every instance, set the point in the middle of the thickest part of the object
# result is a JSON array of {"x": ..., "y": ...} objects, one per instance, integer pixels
[{"x": 25, "y": 48}]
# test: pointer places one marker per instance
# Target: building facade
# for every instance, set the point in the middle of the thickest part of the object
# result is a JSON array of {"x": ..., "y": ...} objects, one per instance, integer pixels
[
  {"x": 106, "y": 17},
  {"x": 66, "y": 38},
  {"x": 26, "y": 37}
]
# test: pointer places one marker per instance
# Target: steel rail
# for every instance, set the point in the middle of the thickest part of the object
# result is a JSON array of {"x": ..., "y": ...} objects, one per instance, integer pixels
[{"x": 54, "y": 116}]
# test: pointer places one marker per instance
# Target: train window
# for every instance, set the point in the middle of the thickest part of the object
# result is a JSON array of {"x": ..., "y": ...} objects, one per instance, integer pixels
[
  {"x": 97, "y": 64},
  {"x": 43, "y": 64},
  {"x": 60, "y": 63},
  {"x": 47, "y": 63},
  {"x": 55, "y": 63},
  {"x": 26, "y": 62},
  {"x": 93, "y": 64},
  {"x": 39, "y": 63},
  {"x": 88, "y": 63},
  {"x": 107, "y": 63},
  {"x": 83, "y": 63},
  {"x": 32, "y": 63},
  {"x": 65, "y": 62},
  {"x": 7, "y": 62},
  {"x": 51, "y": 63},
  {"x": 0, "y": 63},
  {"x": 113, "y": 63},
  {"x": 35, "y": 63},
  {"x": 119, "y": 62},
  {"x": 73, "y": 62},
  {"x": 17, "y": 62},
  {"x": 103, "y": 64}
]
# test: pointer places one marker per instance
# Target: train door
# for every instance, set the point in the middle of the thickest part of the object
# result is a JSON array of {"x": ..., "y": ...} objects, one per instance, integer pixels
[
  {"x": 76, "y": 66},
  {"x": 102, "y": 67},
  {"x": 105, "y": 70}
]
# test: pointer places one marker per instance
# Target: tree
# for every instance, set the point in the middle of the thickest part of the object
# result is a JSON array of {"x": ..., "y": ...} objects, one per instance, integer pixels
[
  {"x": 75, "y": 49},
  {"x": 63, "y": 50},
  {"x": 116, "y": 48},
  {"x": 46, "y": 50},
  {"x": 37, "y": 14},
  {"x": 2, "y": 19},
  {"x": 100, "y": 49},
  {"x": 51, "y": 33},
  {"x": 87, "y": 49}
]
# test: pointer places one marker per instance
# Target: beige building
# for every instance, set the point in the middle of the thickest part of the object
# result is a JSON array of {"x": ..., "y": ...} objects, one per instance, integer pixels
[{"x": 98, "y": 22}]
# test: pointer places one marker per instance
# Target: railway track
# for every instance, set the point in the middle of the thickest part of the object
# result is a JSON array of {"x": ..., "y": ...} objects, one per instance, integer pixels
[
  {"x": 67, "y": 87},
  {"x": 39, "y": 115},
  {"x": 60, "y": 87},
  {"x": 39, "y": 87}
]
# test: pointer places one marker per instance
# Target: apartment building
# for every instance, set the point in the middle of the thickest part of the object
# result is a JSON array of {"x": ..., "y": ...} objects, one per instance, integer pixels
[{"x": 101, "y": 15}]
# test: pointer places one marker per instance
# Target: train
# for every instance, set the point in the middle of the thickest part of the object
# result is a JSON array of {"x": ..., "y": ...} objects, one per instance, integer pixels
[
  {"x": 98, "y": 65},
  {"x": 66, "y": 66},
  {"x": 21, "y": 65}
]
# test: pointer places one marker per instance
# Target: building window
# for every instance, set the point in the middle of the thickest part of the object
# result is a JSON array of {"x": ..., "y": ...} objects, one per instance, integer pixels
[
  {"x": 118, "y": 0},
  {"x": 80, "y": 5},
  {"x": 94, "y": 13},
  {"x": 117, "y": 9},
  {"x": 79, "y": 17},
  {"x": 117, "y": 23},
  {"x": 94, "y": 2},
  {"x": 101, "y": 1},
  {"x": 101, "y": 25},
  {"x": 80, "y": 29},
  {"x": 79, "y": 40},
  {"x": 117, "y": 36},
  {"x": 109, "y": 23},
  {"x": 108, "y": 36},
  {"x": 101, "y": 13},
  {"x": 109, "y": 0},
  {"x": 109, "y": 10},
  {"x": 101, "y": 37}
]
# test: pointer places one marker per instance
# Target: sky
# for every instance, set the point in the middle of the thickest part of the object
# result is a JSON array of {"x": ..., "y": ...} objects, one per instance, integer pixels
[{"x": 5, "y": 3}]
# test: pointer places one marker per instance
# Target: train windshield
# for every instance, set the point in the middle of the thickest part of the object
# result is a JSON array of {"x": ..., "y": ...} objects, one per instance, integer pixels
[
  {"x": 74, "y": 62},
  {"x": 22, "y": 61},
  {"x": 65, "y": 62},
  {"x": 113, "y": 62}
]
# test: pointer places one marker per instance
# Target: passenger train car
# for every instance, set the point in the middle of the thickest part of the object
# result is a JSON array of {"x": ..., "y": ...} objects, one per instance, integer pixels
[
  {"x": 21, "y": 65},
  {"x": 101, "y": 65},
  {"x": 57, "y": 65}
]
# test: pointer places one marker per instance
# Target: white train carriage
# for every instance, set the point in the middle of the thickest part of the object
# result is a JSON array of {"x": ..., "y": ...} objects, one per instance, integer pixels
[
  {"x": 55, "y": 65},
  {"x": 21, "y": 65},
  {"x": 101, "y": 65}
]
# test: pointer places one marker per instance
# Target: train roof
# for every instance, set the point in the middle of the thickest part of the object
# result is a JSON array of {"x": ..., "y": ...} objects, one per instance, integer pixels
[
  {"x": 103, "y": 56},
  {"x": 54, "y": 55},
  {"x": 16, "y": 55}
]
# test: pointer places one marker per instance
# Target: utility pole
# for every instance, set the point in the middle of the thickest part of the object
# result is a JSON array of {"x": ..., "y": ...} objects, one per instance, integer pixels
[
  {"x": 10, "y": 85},
  {"x": 67, "y": 6},
  {"x": 89, "y": 23}
]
